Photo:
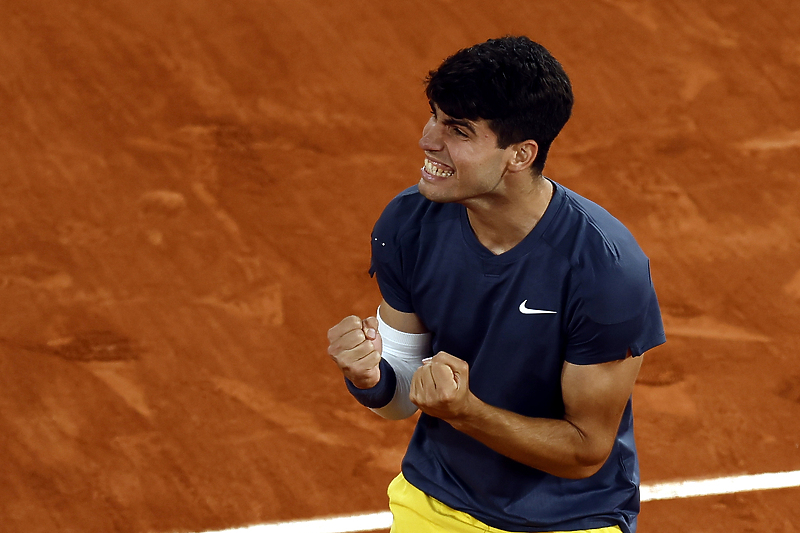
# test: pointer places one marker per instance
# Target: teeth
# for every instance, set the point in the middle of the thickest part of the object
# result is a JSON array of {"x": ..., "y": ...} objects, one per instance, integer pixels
[{"x": 432, "y": 168}]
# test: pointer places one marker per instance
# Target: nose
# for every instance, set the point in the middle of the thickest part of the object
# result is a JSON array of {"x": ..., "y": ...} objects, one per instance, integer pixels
[{"x": 431, "y": 140}]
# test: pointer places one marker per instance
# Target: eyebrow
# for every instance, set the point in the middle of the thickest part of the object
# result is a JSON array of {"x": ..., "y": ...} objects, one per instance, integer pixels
[
  {"x": 450, "y": 121},
  {"x": 459, "y": 122}
]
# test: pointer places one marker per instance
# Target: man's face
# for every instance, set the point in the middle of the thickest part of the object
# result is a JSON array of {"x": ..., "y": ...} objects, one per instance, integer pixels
[{"x": 462, "y": 160}]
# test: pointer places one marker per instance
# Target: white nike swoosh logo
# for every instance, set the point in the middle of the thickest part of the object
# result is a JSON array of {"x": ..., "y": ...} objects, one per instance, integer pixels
[{"x": 526, "y": 311}]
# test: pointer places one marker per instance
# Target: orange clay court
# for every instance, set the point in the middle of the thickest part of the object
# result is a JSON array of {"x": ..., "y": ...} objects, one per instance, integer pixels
[{"x": 188, "y": 190}]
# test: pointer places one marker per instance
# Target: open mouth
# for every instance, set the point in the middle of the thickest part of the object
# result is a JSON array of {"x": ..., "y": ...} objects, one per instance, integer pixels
[{"x": 437, "y": 169}]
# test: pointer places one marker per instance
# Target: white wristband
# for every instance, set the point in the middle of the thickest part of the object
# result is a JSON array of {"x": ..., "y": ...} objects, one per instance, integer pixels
[{"x": 404, "y": 352}]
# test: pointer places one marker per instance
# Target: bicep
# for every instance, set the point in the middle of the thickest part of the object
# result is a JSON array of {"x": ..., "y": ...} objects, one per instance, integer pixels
[
  {"x": 405, "y": 322},
  {"x": 595, "y": 397},
  {"x": 404, "y": 344}
]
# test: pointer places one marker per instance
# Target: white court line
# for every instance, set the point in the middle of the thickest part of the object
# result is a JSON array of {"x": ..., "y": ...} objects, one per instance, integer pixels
[
  {"x": 722, "y": 485},
  {"x": 657, "y": 491},
  {"x": 334, "y": 524}
]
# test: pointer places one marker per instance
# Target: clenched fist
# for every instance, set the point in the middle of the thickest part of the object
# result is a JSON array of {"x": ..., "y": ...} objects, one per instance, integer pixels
[
  {"x": 355, "y": 346},
  {"x": 440, "y": 387}
]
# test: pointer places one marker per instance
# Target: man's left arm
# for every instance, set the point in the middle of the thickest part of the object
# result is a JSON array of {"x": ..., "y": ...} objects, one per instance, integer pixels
[{"x": 574, "y": 447}]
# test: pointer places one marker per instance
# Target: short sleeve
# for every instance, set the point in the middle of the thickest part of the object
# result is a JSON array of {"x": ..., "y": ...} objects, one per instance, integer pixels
[
  {"x": 386, "y": 266},
  {"x": 387, "y": 257},
  {"x": 618, "y": 313}
]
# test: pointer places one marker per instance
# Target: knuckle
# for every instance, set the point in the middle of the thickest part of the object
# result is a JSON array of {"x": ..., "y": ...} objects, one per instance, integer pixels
[{"x": 356, "y": 336}]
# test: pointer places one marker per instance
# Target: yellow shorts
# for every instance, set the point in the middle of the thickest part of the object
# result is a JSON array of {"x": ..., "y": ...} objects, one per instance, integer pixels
[{"x": 414, "y": 511}]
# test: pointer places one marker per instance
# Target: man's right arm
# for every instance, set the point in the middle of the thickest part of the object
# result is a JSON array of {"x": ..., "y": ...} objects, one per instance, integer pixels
[{"x": 378, "y": 356}]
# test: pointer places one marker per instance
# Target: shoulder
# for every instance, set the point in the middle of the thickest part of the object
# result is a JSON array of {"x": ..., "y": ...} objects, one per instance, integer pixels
[
  {"x": 401, "y": 231},
  {"x": 610, "y": 271},
  {"x": 407, "y": 214},
  {"x": 584, "y": 231}
]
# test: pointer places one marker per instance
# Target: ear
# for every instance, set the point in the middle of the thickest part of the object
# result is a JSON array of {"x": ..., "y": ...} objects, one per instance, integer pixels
[{"x": 523, "y": 155}]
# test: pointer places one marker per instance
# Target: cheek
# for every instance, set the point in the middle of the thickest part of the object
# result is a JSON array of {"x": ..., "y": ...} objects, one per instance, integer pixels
[{"x": 481, "y": 162}]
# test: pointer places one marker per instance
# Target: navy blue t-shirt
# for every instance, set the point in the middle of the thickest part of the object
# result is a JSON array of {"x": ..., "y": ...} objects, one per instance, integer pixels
[{"x": 577, "y": 288}]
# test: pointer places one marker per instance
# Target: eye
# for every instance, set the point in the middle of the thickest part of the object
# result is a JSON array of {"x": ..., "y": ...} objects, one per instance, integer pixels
[{"x": 458, "y": 131}]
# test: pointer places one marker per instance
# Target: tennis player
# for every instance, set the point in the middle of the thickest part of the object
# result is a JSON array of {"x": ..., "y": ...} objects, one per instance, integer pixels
[{"x": 515, "y": 315}]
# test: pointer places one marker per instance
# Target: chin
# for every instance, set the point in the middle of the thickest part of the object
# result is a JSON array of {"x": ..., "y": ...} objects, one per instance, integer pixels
[{"x": 434, "y": 193}]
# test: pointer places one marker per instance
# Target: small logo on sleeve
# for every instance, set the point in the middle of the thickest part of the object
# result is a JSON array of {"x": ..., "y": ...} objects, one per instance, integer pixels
[{"x": 528, "y": 311}]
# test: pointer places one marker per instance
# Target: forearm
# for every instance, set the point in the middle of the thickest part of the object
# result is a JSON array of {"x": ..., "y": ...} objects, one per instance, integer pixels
[
  {"x": 555, "y": 446},
  {"x": 575, "y": 446},
  {"x": 402, "y": 355},
  {"x": 389, "y": 397}
]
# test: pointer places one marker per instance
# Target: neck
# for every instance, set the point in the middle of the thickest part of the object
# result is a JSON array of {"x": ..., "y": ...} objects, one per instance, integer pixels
[{"x": 501, "y": 222}]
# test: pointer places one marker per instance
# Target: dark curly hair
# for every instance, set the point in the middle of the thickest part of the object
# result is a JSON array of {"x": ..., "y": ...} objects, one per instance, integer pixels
[{"x": 513, "y": 83}]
